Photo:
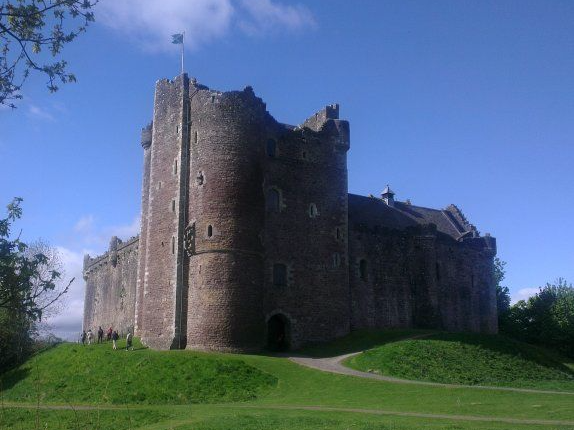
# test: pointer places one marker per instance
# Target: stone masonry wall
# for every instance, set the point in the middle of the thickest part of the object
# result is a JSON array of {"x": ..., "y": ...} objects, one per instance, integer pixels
[{"x": 111, "y": 287}]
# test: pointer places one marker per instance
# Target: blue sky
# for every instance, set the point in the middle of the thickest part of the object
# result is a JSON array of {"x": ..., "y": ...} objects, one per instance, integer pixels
[{"x": 461, "y": 102}]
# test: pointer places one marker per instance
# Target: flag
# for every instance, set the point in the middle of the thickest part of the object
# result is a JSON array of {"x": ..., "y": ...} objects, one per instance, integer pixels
[{"x": 177, "y": 38}]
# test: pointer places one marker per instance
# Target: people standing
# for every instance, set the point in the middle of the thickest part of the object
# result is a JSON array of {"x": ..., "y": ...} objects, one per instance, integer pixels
[
  {"x": 90, "y": 336},
  {"x": 129, "y": 339},
  {"x": 109, "y": 334},
  {"x": 84, "y": 337},
  {"x": 115, "y": 337},
  {"x": 100, "y": 335}
]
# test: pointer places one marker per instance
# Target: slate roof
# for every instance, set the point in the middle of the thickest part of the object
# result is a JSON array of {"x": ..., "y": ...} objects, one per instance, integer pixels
[{"x": 372, "y": 211}]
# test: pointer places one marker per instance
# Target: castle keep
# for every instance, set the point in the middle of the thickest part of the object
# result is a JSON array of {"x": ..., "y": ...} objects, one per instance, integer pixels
[{"x": 250, "y": 239}]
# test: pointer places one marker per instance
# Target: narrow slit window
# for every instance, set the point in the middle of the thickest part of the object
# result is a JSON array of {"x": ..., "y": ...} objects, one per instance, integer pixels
[
  {"x": 173, "y": 245},
  {"x": 273, "y": 200},
  {"x": 363, "y": 269},
  {"x": 173, "y": 205},
  {"x": 279, "y": 275},
  {"x": 313, "y": 212},
  {"x": 209, "y": 230},
  {"x": 175, "y": 167}
]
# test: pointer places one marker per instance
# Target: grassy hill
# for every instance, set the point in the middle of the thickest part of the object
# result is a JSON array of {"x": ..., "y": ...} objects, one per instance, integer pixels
[
  {"x": 470, "y": 359},
  {"x": 98, "y": 374},
  {"x": 181, "y": 390}
]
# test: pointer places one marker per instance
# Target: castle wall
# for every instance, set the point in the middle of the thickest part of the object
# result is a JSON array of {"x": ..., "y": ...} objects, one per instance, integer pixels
[
  {"x": 419, "y": 278},
  {"x": 111, "y": 287},
  {"x": 309, "y": 232},
  {"x": 146, "y": 140},
  {"x": 163, "y": 241},
  {"x": 226, "y": 210}
]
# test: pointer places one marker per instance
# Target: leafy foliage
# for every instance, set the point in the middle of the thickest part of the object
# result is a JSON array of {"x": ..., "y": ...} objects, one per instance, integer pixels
[
  {"x": 547, "y": 318},
  {"x": 28, "y": 286},
  {"x": 30, "y": 27},
  {"x": 502, "y": 292}
]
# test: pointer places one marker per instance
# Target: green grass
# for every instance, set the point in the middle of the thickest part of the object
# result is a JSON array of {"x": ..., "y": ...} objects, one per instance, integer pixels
[
  {"x": 269, "y": 385},
  {"x": 98, "y": 374},
  {"x": 23, "y": 419},
  {"x": 359, "y": 341},
  {"x": 469, "y": 359}
]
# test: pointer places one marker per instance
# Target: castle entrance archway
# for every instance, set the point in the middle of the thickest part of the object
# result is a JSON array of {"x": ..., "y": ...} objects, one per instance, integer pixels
[{"x": 278, "y": 333}]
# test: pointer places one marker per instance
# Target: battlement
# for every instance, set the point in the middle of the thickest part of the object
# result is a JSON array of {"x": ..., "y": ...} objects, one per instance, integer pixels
[
  {"x": 116, "y": 246},
  {"x": 316, "y": 121}
]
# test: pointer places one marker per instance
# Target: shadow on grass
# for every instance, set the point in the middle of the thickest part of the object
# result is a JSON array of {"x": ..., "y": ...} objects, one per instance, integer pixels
[{"x": 356, "y": 341}]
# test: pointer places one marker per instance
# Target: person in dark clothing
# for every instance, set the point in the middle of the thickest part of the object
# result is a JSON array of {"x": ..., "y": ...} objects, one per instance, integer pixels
[
  {"x": 100, "y": 335},
  {"x": 84, "y": 335}
]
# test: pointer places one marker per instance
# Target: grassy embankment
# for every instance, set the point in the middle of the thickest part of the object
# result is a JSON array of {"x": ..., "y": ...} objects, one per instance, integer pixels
[
  {"x": 190, "y": 390},
  {"x": 469, "y": 359}
]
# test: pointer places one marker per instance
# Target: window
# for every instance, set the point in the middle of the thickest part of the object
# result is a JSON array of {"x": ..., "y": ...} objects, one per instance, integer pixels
[
  {"x": 338, "y": 233},
  {"x": 173, "y": 205},
  {"x": 363, "y": 269},
  {"x": 336, "y": 259},
  {"x": 209, "y": 231},
  {"x": 175, "y": 167},
  {"x": 195, "y": 136},
  {"x": 199, "y": 178},
  {"x": 173, "y": 245},
  {"x": 279, "y": 275},
  {"x": 271, "y": 148},
  {"x": 313, "y": 212},
  {"x": 273, "y": 200},
  {"x": 437, "y": 268}
]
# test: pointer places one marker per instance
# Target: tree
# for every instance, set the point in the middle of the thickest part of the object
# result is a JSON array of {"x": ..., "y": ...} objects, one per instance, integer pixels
[
  {"x": 28, "y": 288},
  {"x": 29, "y": 28},
  {"x": 547, "y": 318},
  {"x": 502, "y": 292}
]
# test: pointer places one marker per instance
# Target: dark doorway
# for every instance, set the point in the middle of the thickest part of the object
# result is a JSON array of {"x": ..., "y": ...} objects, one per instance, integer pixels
[{"x": 278, "y": 333}]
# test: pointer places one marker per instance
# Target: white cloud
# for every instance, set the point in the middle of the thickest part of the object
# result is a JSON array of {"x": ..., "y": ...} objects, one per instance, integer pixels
[
  {"x": 524, "y": 294},
  {"x": 35, "y": 111},
  {"x": 68, "y": 322},
  {"x": 151, "y": 23},
  {"x": 84, "y": 224},
  {"x": 264, "y": 15}
]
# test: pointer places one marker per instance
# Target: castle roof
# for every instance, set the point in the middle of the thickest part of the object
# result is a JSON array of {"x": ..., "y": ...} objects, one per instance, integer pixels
[{"x": 371, "y": 212}]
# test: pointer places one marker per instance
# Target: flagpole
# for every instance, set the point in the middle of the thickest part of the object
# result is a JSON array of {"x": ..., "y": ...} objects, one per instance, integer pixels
[{"x": 182, "y": 45}]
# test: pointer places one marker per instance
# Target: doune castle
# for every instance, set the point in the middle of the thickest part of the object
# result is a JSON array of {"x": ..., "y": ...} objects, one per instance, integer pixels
[{"x": 249, "y": 238}]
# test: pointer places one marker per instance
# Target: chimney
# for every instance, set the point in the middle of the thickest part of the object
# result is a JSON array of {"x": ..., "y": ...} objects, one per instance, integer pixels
[{"x": 388, "y": 196}]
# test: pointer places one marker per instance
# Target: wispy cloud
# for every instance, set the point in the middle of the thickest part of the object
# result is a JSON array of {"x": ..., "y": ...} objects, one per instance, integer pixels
[
  {"x": 151, "y": 23},
  {"x": 265, "y": 15},
  {"x": 37, "y": 112}
]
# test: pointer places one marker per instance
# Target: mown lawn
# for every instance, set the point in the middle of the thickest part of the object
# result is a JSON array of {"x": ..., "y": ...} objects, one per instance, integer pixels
[
  {"x": 469, "y": 359},
  {"x": 71, "y": 373},
  {"x": 255, "y": 392}
]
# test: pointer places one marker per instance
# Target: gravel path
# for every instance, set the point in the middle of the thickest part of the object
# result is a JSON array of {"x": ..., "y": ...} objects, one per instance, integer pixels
[{"x": 334, "y": 365}]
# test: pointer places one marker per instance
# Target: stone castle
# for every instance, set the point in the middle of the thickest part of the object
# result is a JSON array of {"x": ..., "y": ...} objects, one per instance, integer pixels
[{"x": 249, "y": 238}]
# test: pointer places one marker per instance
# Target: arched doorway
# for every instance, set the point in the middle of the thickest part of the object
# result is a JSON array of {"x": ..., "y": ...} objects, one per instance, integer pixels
[{"x": 278, "y": 332}]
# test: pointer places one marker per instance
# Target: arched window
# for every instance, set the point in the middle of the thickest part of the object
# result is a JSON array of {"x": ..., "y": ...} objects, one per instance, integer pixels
[
  {"x": 273, "y": 200},
  {"x": 313, "y": 212},
  {"x": 279, "y": 275},
  {"x": 271, "y": 148},
  {"x": 209, "y": 231},
  {"x": 363, "y": 269}
]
